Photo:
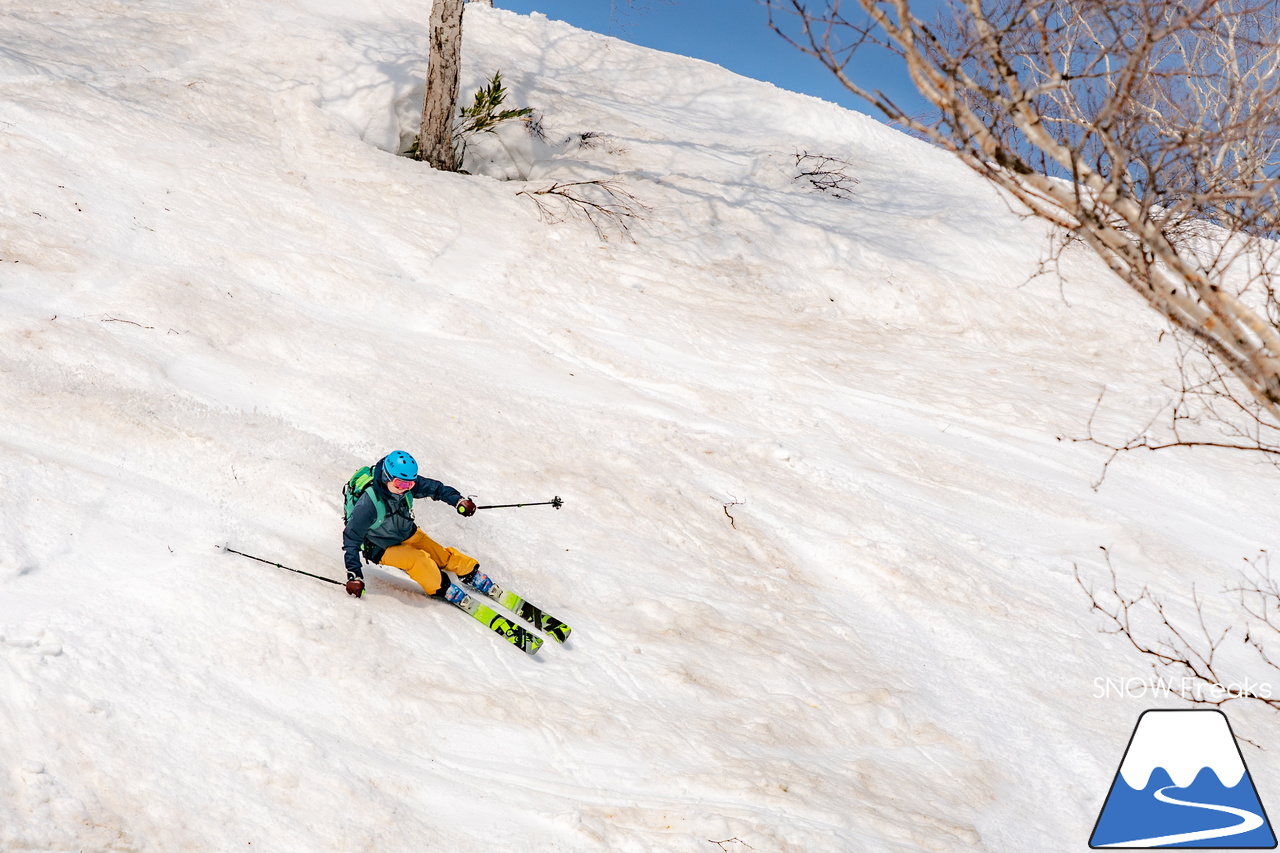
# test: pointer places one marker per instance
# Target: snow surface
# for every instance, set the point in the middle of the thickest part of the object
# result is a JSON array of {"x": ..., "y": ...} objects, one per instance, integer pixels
[{"x": 821, "y": 505}]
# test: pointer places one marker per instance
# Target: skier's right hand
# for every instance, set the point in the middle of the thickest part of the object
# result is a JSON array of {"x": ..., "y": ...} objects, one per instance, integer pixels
[{"x": 355, "y": 586}]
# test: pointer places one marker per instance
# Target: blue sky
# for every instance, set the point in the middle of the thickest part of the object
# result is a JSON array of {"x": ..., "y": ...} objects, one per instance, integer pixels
[{"x": 731, "y": 33}]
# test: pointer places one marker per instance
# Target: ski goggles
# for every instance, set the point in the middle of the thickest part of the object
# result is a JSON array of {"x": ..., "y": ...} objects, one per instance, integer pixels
[{"x": 404, "y": 485}]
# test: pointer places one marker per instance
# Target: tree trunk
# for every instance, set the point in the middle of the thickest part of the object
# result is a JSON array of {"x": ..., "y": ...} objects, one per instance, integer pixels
[{"x": 435, "y": 140}]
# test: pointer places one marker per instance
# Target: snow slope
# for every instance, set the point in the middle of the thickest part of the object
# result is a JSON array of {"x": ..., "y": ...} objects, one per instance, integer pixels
[{"x": 820, "y": 516}]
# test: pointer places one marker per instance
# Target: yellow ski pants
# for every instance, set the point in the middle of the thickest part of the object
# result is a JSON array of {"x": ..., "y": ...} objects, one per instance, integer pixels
[{"x": 425, "y": 560}]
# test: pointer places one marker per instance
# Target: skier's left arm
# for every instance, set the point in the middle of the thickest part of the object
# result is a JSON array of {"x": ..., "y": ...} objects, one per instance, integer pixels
[
  {"x": 427, "y": 488},
  {"x": 424, "y": 487}
]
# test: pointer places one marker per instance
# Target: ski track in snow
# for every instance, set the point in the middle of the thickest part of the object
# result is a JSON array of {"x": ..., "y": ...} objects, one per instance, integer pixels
[{"x": 212, "y": 265}]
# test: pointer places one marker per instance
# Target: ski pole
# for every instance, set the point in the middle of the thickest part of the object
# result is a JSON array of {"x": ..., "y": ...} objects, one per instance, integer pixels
[
  {"x": 557, "y": 503},
  {"x": 278, "y": 566}
]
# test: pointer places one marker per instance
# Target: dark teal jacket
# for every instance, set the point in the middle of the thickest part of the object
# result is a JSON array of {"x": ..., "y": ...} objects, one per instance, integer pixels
[{"x": 364, "y": 534}]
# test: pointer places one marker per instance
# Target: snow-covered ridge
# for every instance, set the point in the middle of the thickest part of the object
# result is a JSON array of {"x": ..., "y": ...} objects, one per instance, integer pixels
[{"x": 1183, "y": 743}]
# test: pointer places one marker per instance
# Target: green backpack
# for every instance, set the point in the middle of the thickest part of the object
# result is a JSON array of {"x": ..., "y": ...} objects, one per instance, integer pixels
[{"x": 359, "y": 484}]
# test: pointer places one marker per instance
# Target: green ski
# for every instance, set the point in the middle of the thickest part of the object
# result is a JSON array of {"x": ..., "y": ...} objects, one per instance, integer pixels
[
  {"x": 525, "y": 640},
  {"x": 531, "y": 614}
]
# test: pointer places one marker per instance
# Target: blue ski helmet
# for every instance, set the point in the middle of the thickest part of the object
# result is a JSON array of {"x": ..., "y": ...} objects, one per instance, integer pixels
[{"x": 400, "y": 465}]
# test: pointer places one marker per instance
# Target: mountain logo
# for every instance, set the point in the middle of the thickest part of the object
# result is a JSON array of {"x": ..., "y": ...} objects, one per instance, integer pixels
[{"x": 1183, "y": 783}]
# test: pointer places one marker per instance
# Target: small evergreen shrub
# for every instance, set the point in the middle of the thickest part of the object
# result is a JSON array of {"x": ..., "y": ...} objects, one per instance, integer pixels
[{"x": 484, "y": 115}]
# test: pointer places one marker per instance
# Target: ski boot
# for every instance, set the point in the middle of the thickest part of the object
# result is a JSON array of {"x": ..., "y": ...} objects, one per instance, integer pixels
[
  {"x": 477, "y": 580},
  {"x": 450, "y": 592}
]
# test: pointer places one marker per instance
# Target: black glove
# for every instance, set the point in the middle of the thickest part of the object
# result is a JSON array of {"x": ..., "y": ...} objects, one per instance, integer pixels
[
  {"x": 466, "y": 507},
  {"x": 355, "y": 585}
]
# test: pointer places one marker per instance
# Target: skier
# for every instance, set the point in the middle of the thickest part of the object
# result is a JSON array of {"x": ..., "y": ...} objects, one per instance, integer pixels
[{"x": 380, "y": 525}]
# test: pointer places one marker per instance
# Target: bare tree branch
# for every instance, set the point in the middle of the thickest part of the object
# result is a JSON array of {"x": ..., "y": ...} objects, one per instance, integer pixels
[
  {"x": 603, "y": 203},
  {"x": 1148, "y": 130},
  {"x": 1195, "y": 653},
  {"x": 826, "y": 174}
]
